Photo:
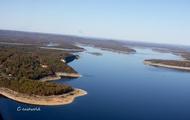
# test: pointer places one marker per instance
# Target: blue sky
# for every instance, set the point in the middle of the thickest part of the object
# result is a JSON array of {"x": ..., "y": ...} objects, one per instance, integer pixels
[{"x": 160, "y": 21}]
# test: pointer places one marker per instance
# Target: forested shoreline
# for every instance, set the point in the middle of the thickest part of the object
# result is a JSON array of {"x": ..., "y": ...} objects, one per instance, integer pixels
[{"x": 21, "y": 67}]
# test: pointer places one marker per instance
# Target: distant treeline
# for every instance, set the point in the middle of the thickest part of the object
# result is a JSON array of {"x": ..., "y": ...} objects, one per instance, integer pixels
[{"x": 64, "y": 41}]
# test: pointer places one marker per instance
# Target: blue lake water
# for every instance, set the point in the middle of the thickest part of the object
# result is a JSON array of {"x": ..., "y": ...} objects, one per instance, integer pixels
[{"x": 120, "y": 87}]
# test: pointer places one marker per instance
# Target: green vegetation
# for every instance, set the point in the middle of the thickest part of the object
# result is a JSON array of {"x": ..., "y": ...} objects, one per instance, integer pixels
[
  {"x": 171, "y": 62},
  {"x": 28, "y": 63},
  {"x": 32, "y": 87},
  {"x": 22, "y": 66}
]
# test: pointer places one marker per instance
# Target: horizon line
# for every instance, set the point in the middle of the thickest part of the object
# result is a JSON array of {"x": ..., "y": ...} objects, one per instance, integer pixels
[{"x": 93, "y": 37}]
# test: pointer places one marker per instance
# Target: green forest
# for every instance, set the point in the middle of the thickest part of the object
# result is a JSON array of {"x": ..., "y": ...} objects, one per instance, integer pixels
[{"x": 21, "y": 67}]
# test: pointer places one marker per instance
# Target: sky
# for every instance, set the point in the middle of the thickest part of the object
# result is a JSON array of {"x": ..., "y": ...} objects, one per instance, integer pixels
[{"x": 158, "y": 21}]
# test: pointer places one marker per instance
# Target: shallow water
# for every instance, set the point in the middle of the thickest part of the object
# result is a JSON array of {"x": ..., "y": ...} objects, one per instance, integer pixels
[{"x": 119, "y": 87}]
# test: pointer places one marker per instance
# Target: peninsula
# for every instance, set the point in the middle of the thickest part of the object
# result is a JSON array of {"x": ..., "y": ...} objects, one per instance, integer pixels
[
  {"x": 25, "y": 70},
  {"x": 183, "y": 65}
]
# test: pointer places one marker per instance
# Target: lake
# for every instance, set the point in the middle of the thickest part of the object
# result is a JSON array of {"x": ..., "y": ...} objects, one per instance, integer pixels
[{"x": 120, "y": 87}]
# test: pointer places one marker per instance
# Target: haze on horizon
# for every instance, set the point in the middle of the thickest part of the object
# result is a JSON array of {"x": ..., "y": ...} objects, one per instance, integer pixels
[{"x": 157, "y": 21}]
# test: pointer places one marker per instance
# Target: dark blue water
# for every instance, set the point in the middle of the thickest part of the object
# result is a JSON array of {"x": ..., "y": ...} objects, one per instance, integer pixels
[{"x": 120, "y": 87}]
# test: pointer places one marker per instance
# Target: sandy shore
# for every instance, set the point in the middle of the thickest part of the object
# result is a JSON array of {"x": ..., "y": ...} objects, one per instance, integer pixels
[
  {"x": 167, "y": 66},
  {"x": 59, "y": 75},
  {"x": 72, "y": 75},
  {"x": 43, "y": 100},
  {"x": 50, "y": 78}
]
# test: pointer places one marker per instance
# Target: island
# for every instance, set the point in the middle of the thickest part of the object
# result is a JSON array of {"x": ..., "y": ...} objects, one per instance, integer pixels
[
  {"x": 183, "y": 65},
  {"x": 95, "y": 53}
]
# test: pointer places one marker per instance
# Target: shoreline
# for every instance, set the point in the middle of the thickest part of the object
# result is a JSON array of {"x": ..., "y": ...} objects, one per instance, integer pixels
[
  {"x": 63, "y": 49},
  {"x": 63, "y": 99},
  {"x": 59, "y": 75},
  {"x": 166, "y": 66},
  {"x": 129, "y": 51}
]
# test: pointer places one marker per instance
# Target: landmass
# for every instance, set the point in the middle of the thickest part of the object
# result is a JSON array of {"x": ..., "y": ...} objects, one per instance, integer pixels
[
  {"x": 182, "y": 64},
  {"x": 24, "y": 71},
  {"x": 61, "y": 99},
  {"x": 173, "y": 64},
  {"x": 95, "y": 53},
  {"x": 62, "y": 42}
]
